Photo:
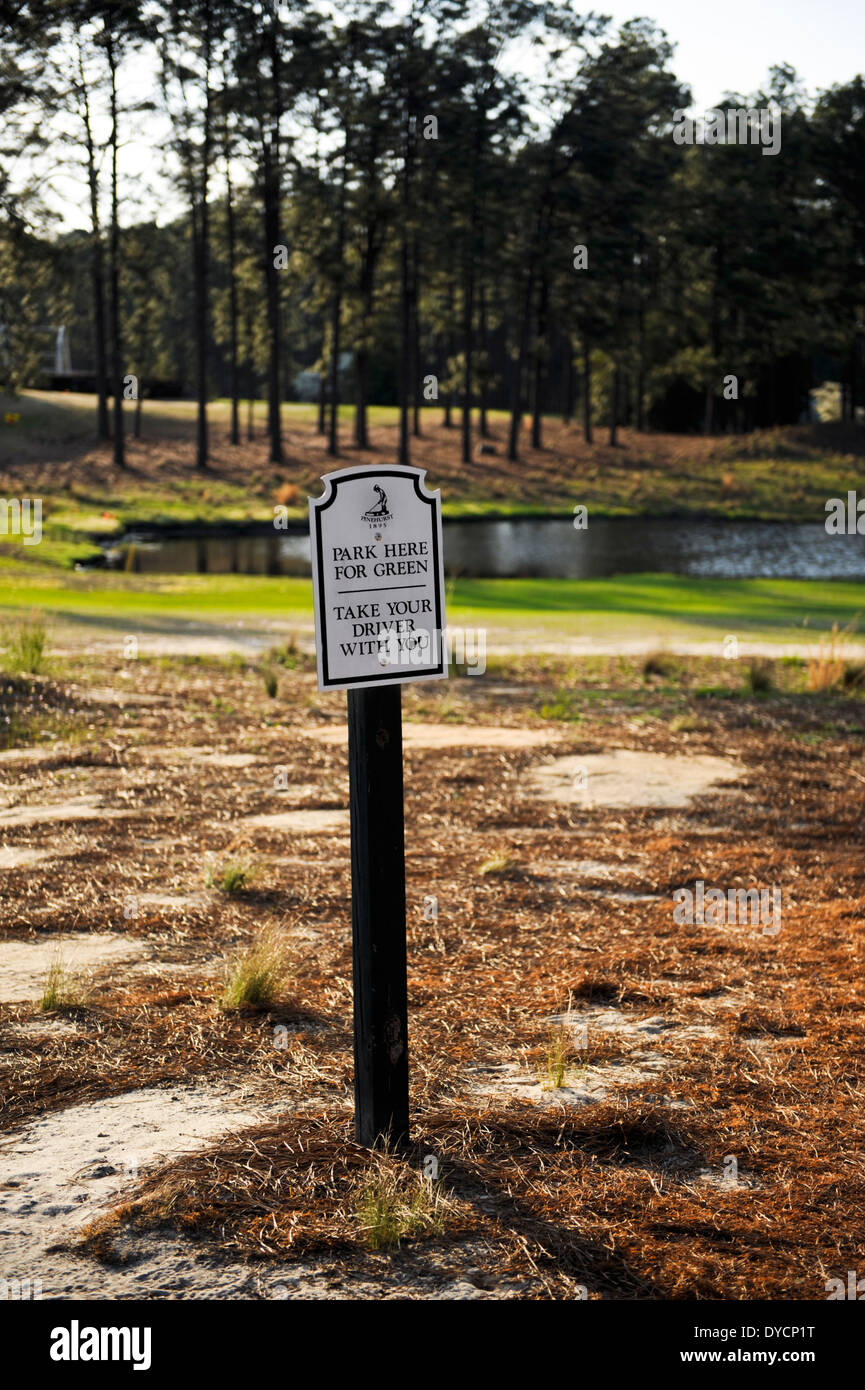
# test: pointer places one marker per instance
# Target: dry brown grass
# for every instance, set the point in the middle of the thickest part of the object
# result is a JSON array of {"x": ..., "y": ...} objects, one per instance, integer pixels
[{"x": 610, "y": 1195}]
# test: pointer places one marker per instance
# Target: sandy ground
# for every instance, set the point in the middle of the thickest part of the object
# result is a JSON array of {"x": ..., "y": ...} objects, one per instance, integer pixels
[
  {"x": 57, "y": 1173},
  {"x": 630, "y": 777},
  {"x": 420, "y": 735},
  {"x": 683, "y": 1047},
  {"x": 178, "y": 637},
  {"x": 24, "y": 965}
]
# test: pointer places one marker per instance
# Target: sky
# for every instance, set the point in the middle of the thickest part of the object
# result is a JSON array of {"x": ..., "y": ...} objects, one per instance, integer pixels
[
  {"x": 725, "y": 47},
  {"x": 730, "y": 45}
]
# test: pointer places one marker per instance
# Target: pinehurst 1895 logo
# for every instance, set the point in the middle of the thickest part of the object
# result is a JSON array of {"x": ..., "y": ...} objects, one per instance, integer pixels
[
  {"x": 77, "y": 1343},
  {"x": 378, "y": 514}
]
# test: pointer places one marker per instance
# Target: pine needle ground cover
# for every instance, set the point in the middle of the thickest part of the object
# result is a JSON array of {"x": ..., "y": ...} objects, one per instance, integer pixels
[{"x": 703, "y": 1137}]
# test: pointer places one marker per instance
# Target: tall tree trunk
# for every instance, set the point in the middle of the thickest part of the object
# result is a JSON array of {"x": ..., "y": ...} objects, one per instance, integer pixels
[
  {"x": 97, "y": 270},
  {"x": 641, "y": 367},
  {"x": 367, "y": 300},
  {"x": 614, "y": 405},
  {"x": 234, "y": 374},
  {"x": 451, "y": 349},
  {"x": 468, "y": 318},
  {"x": 415, "y": 339},
  {"x": 321, "y": 413},
  {"x": 587, "y": 391},
  {"x": 114, "y": 260},
  {"x": 202, "y": 263},
  {"x": 272, "y": 193},
  {"x": 361, "y": 388},
  {"x": 483, "y": 383},
  {"x": 568, "y": 384},
  {"x": 336, "y": 312},
  {"x": 519, "y": 367},
  {"x": 333, "y": 412},
  {"x": 271, "y": 240},
  {"x": 249, "y": 366},
  {"x": 406, "y": 289},
  {"x": 538, "y": 364}
]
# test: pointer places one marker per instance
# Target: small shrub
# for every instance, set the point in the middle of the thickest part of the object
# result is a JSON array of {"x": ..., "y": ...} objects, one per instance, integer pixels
[
  {"x": 271, "y": 682},
  {"x": 288, "y": 495},
  {"x": 25, "y": 641},
  {"x": 854, "y": 675},
  {"x": 555, "y": 1073},
  {"x": 232, "y": 878},
  {"x": 826, "y": 669},
  {"x": 287, "y": 655},
  {"x": 688, "y": 724},
  {"x": 258, "y": 975},
  {"x": 499, "y": 863},
  {"x": 658, "y": 663},
  {"x": 63, "y": 990},
  {"x": 562, "y": 706},
  {"x": 758, "y": 676},
  {"x": 394, "y": 1202}
]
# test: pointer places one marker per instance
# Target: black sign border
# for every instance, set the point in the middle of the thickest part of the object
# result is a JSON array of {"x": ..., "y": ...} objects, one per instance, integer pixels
[{"x": 417, "y": 673}]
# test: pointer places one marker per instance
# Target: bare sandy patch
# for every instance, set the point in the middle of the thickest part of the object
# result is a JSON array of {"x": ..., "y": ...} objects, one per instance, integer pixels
[
  {"x": 608, "y": 1019},
  {"x": 445, "y": 736},
  {"x": 629, "y": 777},
  {"x": 77, "y": 808},
  {"x": 586, "y": 1085},
  {"x": 24, "y": 965},
  {"x": 168, "y": 753},
  {"x": 586, "y": 1082},
  {"x": 229, "y": 759},
  {"x": 45, "y": 1027},
  {"x": 61, "y": 1170},
  {"x": 194, "y": 754},
  {"x": 299, "y": 791},
  {"x": 305, "y": 822},
  {"x": 99, "y": 695},
  {"x": 726, "y": 1180},
  {"x": 19, "y": 857},
  {"x": 27, "y": 755},
  {"x": 174, "y": 902}
]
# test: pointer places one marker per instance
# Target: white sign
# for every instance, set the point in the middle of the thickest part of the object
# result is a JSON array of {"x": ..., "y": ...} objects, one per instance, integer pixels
[{"x": 378, "y": 578}]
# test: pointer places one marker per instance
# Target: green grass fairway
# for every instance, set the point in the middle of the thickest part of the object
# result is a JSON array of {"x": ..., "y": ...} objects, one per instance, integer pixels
[{"x": 626, "y": 607}]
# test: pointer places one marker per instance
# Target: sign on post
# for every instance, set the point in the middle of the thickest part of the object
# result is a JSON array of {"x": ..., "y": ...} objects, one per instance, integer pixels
[
  {"x": 378, "y": 578},
  {"x": 378, "y": 584}
]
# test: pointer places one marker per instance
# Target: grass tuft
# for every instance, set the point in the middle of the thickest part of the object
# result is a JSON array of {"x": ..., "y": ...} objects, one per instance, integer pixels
[
  {"x": 231, "y": 878},
  {"x": 25, "y": 641},
  {"x": 758, "y": 676},
  {"x": 394, "y": 1202},
  {"x": 826, "y": 669},
  {"x": 63, "y": 989},
  {"x": 854, "y": 675},
  {"x": 256, "y": 978},
  {"x": 559, "y": 1052},
  {"x": 500, "y": 863},
  {"x": 658, "y": 663}
]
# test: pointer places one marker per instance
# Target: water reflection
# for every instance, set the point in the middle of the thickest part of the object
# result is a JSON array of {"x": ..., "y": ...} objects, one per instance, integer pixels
[{"x": 539, "y": 548}]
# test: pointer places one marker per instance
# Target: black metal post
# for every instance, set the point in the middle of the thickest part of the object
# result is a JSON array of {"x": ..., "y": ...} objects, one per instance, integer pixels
[{"x": 378, "y": 915}]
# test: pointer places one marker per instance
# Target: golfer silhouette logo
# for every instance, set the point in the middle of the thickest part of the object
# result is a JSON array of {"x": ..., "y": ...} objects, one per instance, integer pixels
[{"x": 378, "y": 514}]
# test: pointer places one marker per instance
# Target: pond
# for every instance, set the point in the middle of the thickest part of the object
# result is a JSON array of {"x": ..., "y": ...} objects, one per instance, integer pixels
[{"x": 543, "y": 548}]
